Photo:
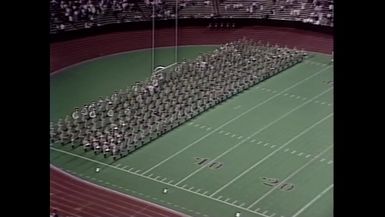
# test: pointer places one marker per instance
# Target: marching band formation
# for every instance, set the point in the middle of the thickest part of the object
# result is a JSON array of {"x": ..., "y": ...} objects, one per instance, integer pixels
[{"x": 128, "y": 119}]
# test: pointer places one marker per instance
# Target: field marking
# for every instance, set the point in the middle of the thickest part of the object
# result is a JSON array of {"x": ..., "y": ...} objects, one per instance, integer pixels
[
  {"x": 313, "y": 200},
  {"x": 257, "y": 132},
  {"x": 236, "y": 118},
  {"x": 237, "y": 107},
  {"x": 272, "y": 153},
  {"x": 290, "y": 176},
  {"x": 259, "y": 142}
]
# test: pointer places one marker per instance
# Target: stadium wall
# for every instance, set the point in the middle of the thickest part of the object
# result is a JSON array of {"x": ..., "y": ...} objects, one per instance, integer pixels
[{"x": 68, "y": 48}]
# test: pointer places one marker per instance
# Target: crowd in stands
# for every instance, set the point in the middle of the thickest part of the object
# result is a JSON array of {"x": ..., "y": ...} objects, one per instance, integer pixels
[
  {"x": 120, "y": 124},
  {"x": 68, "y": 15}
]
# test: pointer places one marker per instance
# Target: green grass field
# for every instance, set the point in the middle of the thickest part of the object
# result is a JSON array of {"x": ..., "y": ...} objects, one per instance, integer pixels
[{"x": 270, "y": 148}]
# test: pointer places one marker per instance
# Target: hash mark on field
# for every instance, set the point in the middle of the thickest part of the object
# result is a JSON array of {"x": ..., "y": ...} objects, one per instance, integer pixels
[
  {"x": 322, "y": 103},
  {"x": 235, "y": 201},
  {"x": 131, "y": 169},
  {"x": 191, "y": 188},
  {"x": 293, "y": 151},
  {"x": 190, "y": 123},
  {"x": 316, "y": 101},
  {"x": 329, "y": 104},
  {"x": 307, "y": 156},
  {"x": 138, "y": 171},
  {"x": 203, "y": 126},
  {"x": 304, "y": 98},
  {"x": 298, "y": 97},
  {"x": 323, "y": 159},
  {"x": 262, "y": 88},
  {"x": 150, "y": 175},
  {"x": 184, "y": 186},
  {"x": 286, "y": 150},
  {"x": 220, "y": 132},
  {"x": 272, "y": 215},
  {"x": 118, "y": 165},
  {"x": 252, "y": 140},
  {"x": 300, "y": 154},
  {"x": 256, "y": 210},
  {"x": 330, "y": 162},
  {"x": 124, "y": 167},
  {"x": 157, "y": 177},
  {"x": 197, "y": 191},
  {"x": 237, "y": 107},
  {"x": 171, "y": 181},
  {"x": 227, "y": 199},
  {"x": 227, "y": 134},
  {"x": 285, "y": 94},
  {"x": 164, "y": 179},
  {"x": 266, "y": 144},
  {"x": 265, "y": 212},
  {"x": 206, "y": 192},
  {"x": 205, "y": 215},
  {"x": 196, "y": 125},
  {"x": 232, "y": 136},
  {"x": 240, "y": 137},
  {"x": 242, "y": 204},
  {"x": 219, "y": 197},
  {"x": 208, "y": 128},
  {"x": 259, "y": 142},
  {"x": 292, "y": 95},
  {"x": 273, "y": 146}
]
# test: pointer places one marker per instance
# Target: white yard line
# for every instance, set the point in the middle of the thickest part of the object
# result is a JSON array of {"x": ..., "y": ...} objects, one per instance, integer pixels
[{"x": 313, "y": 200}]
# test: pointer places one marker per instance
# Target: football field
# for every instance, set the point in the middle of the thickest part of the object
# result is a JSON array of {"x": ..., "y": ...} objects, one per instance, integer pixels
[{"x": 267, "y": 151}]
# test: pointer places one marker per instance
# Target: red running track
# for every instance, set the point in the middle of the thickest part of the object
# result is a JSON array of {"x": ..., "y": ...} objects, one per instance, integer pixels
[{"x": 73, "y": 197}]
